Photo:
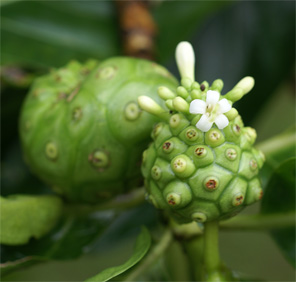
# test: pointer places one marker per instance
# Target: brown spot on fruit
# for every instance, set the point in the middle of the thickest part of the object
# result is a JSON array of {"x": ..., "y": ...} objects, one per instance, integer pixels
[
  {"x": 167, "y": 147},
  {"x": 171, "y": 202},
  {"x": 211, "y": 183},
  {"x": 202, "y": 87},
  {"x": 99, "y": 159},
  {"x": 199, "y": 151},
  {"x": 173, "y": 199},
  {"x": 191, "y": 134},
  {"x": 238, "y": 199},
  {"x": 236, "y": 129}
]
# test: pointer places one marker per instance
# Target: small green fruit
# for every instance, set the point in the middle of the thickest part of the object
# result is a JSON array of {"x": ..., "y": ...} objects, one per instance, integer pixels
[{"x": 206, "y": 152}]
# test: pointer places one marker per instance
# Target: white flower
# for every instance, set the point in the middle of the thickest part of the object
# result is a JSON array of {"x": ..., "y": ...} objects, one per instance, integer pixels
[{"x": 212, "y": 111}]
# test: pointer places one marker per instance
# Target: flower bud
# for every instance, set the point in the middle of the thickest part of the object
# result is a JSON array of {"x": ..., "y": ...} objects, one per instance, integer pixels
[
  {"x": 165, "y": 93},
  {"x": 185, "y": 60}
]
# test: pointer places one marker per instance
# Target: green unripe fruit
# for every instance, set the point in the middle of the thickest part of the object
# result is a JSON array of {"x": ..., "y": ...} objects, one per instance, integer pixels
[
  {"x": 82, "y": 129},
  {"x": 203, "y": 175}
]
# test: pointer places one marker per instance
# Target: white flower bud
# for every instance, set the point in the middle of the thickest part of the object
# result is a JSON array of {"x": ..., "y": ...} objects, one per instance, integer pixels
[
  {"x": 185, "y": 60},
  {"x": 246, "y": 84}
]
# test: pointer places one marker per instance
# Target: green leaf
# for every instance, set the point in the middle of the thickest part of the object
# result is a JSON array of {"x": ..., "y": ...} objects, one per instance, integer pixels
[
  {"x": 141, "y": 248},
  {"x": 74, "y": 235},
  {"x": 23, "y": 217},
  {"x": 277, "y": 150},
  {"x": 50, "y": 33},
  {"x": 280, "y": 198}
]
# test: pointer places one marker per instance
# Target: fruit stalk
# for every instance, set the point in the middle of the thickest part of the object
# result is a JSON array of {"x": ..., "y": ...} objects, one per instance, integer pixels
[
  {"x": 211, "y": 246},
  {"x": 194, "y": 248}
]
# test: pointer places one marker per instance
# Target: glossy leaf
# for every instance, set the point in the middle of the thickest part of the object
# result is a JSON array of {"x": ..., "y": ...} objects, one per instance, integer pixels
[
  {"x": 141, "y": 248},
  {"x": 23, "y": 217},
  {"x": 280, "y": 198},
  {"x": 50, "y": 33},
  {"x": 52, "y": 37},
  {"x": 73, "y": 236}
]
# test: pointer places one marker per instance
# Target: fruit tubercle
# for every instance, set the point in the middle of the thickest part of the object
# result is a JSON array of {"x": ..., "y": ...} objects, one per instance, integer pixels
[{"x": 201, "y": 165}]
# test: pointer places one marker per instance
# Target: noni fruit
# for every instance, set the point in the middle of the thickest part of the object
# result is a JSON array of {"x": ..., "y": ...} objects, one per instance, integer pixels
[
  {"x": 201, "y": 165},
  {"x": 81, "y": 128}
]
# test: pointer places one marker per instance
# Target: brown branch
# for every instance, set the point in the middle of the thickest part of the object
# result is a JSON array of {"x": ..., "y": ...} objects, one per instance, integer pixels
[{"x": 138, "y": 29}]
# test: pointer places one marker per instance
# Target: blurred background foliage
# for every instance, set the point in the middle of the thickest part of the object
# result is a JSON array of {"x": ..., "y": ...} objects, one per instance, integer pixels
[{"x": 231, "y": 39}]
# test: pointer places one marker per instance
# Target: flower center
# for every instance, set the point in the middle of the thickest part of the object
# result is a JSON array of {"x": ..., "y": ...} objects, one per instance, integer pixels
[{"x": 211, "y": 111}]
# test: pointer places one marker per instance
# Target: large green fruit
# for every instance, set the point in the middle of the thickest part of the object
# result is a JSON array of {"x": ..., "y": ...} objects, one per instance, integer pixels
[
  {"x": 82, "y": 131},
  {"x": 202, "y": 164}
]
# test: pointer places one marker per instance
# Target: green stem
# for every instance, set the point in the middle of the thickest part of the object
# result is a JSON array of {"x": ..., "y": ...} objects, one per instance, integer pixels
[
  {"x": 125, "y": 201},
  {"x": 277, "y": 143},
  {"x": 211, "y": 246},
  {"x": 152, "y": 256},
  {"x": 177, "y": 263},
  {"x": 194, "y": 248},
  {"x": 260, "y": 221}
]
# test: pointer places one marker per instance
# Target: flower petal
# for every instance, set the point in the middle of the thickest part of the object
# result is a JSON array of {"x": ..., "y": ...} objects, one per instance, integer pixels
[
  {"x": 204, "y": 124},
  {"x": 221, "y": 121},
  {"x": 213, "y": 97},
  {"x": 197, "y": 106},
  {"x": 224, "y": 106}
]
